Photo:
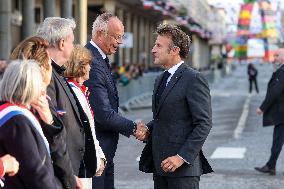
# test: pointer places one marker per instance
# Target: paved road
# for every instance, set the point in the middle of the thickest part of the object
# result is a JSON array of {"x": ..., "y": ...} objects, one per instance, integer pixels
[{"x": 235, "y": 128}]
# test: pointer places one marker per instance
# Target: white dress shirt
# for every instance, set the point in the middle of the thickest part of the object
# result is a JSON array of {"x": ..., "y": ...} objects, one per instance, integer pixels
[
  {"x": 172, "y": 70},
  {"x": 99, "y": 49}
]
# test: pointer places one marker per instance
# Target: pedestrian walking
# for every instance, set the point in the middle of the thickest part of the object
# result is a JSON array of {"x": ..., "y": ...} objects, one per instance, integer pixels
[
  {"x": 273, "y": 111},
  {"x": 252, "y": 76}
]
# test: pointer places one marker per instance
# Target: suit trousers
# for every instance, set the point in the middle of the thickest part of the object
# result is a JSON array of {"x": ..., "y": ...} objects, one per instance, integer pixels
[
  {"x": 106, "y": 181},
  {"x": 277, "y": 143},
  {"x": 162, "y": 182}
]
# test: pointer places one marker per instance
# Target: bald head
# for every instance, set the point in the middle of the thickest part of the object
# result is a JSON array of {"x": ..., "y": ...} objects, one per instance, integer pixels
[
  {"x": 279, "y": 56},
  {"x": 108, "y": 33}
]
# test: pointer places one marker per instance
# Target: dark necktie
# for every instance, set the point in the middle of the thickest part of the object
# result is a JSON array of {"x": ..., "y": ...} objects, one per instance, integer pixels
[
  {"x": 162, "y": 86},
  {"x": 107, "y": 62},
  {"x": 108, "y": 66}
]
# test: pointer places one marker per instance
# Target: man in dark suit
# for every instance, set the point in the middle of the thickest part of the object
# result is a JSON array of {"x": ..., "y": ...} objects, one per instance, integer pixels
[
  {"x": 107, "y": 35},
  {"x": 181, "y": 116},
  {"x": 272, "y": 109},
  {"x": 80, "y": 157}
]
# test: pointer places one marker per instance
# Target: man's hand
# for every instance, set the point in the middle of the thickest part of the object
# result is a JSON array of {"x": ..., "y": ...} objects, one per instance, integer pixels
[
  {"x": 11, "y": 165},
  {"x": 142, "y": 132},
  {"x": 259, "y": 111},
  {"x": 171, "y": 163},
  {"x": 79, "y": 184},
  {"x": 102, "y": 168}
]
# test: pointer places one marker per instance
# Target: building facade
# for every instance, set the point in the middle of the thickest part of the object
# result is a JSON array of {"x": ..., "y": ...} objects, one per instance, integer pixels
[{"x": 20, "y": 18}]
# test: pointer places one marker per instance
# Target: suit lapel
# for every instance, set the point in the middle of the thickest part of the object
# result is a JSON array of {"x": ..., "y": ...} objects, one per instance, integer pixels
[
  {"x": 63, "y": 86},
  {"x": 100, "y": 59},
  {"x": 170, "y": 85}
]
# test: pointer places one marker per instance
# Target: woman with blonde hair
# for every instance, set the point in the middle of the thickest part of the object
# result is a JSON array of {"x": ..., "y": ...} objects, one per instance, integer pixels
[
  {"x": 77, "y": 71},
  {"x": 35, "y": 48},
  {"x": 21, "y": 134}
]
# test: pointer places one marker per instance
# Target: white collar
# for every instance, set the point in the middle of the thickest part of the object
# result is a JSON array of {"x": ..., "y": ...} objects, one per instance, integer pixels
[
  {"x": 99, "y": 49},
  {"x": 173, "y": 69}
]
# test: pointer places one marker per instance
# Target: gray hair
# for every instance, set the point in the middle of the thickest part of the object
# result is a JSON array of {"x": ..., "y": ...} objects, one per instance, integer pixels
[
  {"x": 53, "y": 29},
  {"x": 100, "y": 24},
  {"x": 22, "y": 82}
]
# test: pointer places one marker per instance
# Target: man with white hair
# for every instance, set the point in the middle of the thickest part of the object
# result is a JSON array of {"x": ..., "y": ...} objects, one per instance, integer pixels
[
  {"x": 272, "y": 109},
  {"x": 79, "y": 160},
  {"x": 107, "y": 35}
]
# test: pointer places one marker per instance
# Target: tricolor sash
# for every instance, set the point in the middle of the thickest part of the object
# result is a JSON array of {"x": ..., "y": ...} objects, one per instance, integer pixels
[{"x": 8, "y": 110}]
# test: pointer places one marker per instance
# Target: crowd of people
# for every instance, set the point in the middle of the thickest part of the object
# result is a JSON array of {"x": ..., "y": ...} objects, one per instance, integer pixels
[
  {"x": 59, "y": 120},
  {"x": 123, "y": 74}
]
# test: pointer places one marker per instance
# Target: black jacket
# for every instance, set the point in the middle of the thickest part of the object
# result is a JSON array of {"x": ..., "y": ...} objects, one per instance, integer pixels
[
  {"x": 273, "y": 104},
  {"x": 19, "y": 139},
  {"x": 76, "y": 129}
]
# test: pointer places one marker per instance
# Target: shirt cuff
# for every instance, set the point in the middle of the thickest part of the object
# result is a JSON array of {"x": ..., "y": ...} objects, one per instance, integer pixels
[{"x": 183, "y": 159}]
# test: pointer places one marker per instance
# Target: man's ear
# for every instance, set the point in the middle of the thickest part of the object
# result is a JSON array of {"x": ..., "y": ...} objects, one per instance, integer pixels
[
  {"x": 176, "y": 50},
  {"x": 61, "y": 44}
]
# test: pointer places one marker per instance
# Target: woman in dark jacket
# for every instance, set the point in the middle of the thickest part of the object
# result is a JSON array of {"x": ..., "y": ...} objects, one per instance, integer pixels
[{"x": 21, "y": 134}]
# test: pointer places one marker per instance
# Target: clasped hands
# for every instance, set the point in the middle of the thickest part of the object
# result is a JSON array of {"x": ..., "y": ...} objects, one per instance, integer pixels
[{"x": 142, "y": 133}]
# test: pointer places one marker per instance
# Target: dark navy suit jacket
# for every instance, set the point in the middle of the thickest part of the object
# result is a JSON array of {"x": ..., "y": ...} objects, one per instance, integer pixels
[
  {"x": 181, "y": 122},
  {"x": 104, "y": 102}
]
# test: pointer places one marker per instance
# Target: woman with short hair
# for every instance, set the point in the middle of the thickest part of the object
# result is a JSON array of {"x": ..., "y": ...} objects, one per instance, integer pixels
[
  {"x": 21, "y": 134},
  {"x": 77, "y": 71}
]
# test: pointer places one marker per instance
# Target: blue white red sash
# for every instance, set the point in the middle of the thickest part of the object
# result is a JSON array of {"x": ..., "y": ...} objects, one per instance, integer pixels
[
  {"x": 8, "y": 110},
  {"x": 83, "y": 89}
]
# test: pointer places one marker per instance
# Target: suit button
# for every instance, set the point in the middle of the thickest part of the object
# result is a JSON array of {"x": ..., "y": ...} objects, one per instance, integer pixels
[{"x": 81, "y": 150}]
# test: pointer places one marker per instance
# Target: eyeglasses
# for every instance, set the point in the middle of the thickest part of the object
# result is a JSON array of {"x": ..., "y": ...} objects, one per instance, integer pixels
[{"x": 117, "y": 38}]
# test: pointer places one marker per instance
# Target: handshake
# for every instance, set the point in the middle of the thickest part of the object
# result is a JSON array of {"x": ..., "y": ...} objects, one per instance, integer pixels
[{"x": 141, "y": 133}]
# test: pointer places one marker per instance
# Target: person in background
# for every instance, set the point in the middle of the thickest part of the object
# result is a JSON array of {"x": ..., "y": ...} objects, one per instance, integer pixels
[
  {"x": 21, "y": 134},
  {"x": 252, "y": 76},
  {"x": 77, "y": 72},
  {"x": 273, "y": 111}
]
